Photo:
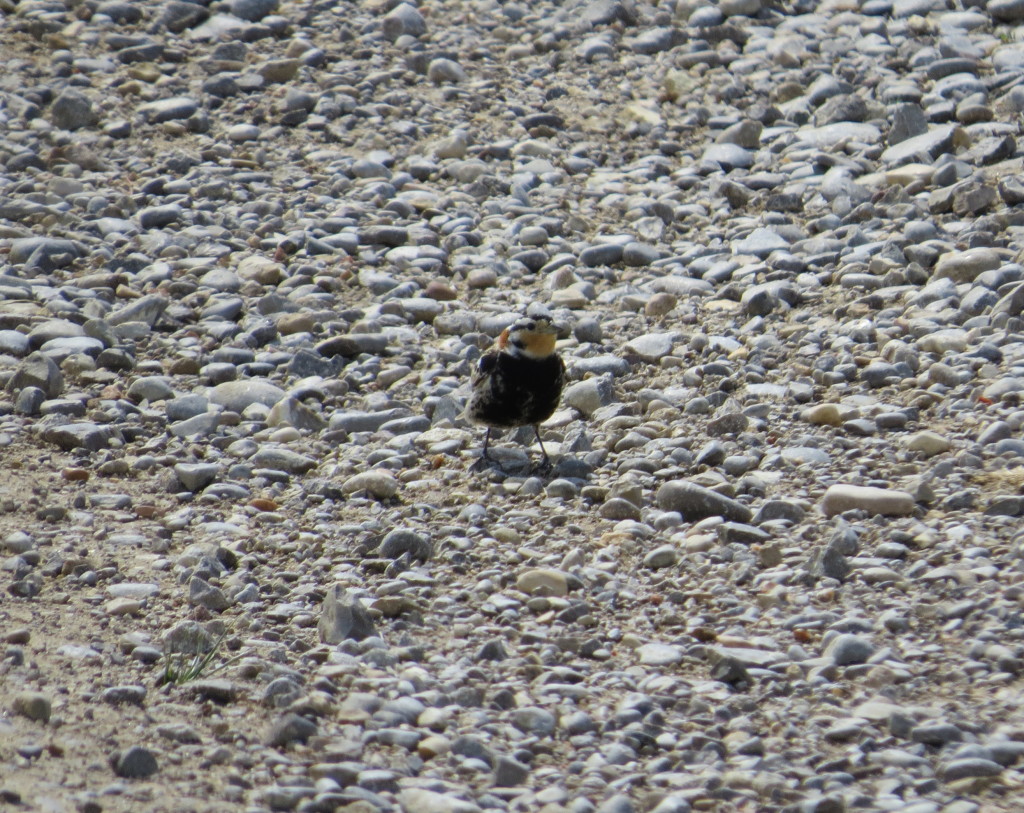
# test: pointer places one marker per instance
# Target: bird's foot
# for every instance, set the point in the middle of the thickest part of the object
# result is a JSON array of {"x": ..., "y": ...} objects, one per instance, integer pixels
[
  {"x": 543, "y": 468},
  {"x": 483, "y": 463}
]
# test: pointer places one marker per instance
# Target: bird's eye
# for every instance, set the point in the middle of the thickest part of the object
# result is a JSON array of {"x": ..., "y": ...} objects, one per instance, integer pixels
[{"x": 531, "y": 325}]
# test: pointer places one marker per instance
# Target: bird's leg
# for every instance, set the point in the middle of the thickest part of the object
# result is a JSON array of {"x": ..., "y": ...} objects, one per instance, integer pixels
[
  {"x": 485, "y": 458},
  {"x": 545, "y": 464}
]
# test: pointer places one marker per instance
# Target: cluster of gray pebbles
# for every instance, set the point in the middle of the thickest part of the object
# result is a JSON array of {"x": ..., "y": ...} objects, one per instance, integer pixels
[{"x": 250, "y": 251}]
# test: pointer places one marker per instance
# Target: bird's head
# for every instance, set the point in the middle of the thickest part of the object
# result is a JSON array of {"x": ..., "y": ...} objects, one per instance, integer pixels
[{"x": 530, "y": 337}]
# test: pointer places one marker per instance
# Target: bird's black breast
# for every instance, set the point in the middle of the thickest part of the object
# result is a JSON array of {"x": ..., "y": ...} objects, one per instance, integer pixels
[{"x": 514, "y": 391}]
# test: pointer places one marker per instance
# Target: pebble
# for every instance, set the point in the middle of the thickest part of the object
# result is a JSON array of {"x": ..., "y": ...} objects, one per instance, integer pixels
[
  {"x": 136, "y": 762},
  {"x": 343, "y": 617},
  {"x": 849, "y": 649},
  {"x": 887, "y": 502},
  {"x": 546, "y": 582},
  {"x": 380, "y": 483},
  {"x": 33, "y": 705},
  {"x": 928, "y": 443},
  {"x": 696, "y": 502},
  {"x": 659, "y": 654}
]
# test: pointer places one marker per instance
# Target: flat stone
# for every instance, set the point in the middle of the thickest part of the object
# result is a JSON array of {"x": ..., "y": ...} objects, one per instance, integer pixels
[
  {"x": 760, "y": 242},
  {"x": 543, "y": 582},
  {"x": 962, "y": 768},
  {"x": 419, "y": 800},
  {"x": 928, "y": 443},
  {"x": 966, "y": 266},
  {"x": 696, "y": 502},
  {"x": 729, "y": 156},
  {"x": 830, "y": 135},
  {"x": 925, "y": 147},
  {"x": 888, "y": 502},
  {"x": 353, "y": 344},
  {"x": 89, "y": 436},
  {"x": 937, "y": 734},
  {"x": 237, "y": 395},
  {"x": 177, "y": 107},
  {"x": 652, "y": 347},
  {"x": 589, "y": 395},
  {"x": 280, "y": 458},
  {"x": 659, "y": 654},
  {"x": 379, "y": 482}
]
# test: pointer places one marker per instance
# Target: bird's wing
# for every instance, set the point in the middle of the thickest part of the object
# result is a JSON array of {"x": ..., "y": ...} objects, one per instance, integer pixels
[{"x": 484, "y": 367}]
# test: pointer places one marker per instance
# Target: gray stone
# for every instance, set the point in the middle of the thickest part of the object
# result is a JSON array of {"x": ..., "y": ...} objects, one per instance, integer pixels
[
  {"x": 443, "y": 71},
  {"x": 289, "y": 728},
  {"x": 966, "y": 266},
  {"x": 659, "y": 654},
  {"x": 237, "y": 395},
  {"x": 926, "y": 147},
  {"x": 89, "y": 436},
  {"x": 510, "y": 772},
  {"x": 589, "y": 395},
  {"x": 848, "y": 649},
  {"x": 186, "y": 406},
  {"x": 156, "y": 217},
  {"x": 908, "y": 121},
  {"x": 44, "y": 253},
  {"x": 343, "y": 617},
  {"x": 760, "y": 242},
  {"x": 533, "y": 720},
  {"x": 196, "y": 476},
  {"x": 178, "y": 107},
  {"x": 965, "y": 768},
  {"x": 136, "y": 763},
  {"x": 937, "y": 734},
  {"x": 292, "y": 412},
  {"x": 695, "y": 502},
  {"x": 134, "y": 695},
  {"x": 147, "y": 309},
  {"x": 203, "y": 594},
  {"x": 151, "y": 388},
  {"x": 72, "y": 110},
  {"x": 252, "y": 10},
  {"x": 652, "y": 347},
  {"x": 1006, "y": 11},
  {"x": 282, "y": 459},
  {"x": 601, "y": 254},
  {"x": 33, "y": 705},
  {"x": 662, "y": 556},
  {"x": 403, "y": 541},
  {"x": 404, "y": 18},
  {"x": 728, "y": 156},
  {"x": 196, "y": 426},
  {"x": 888, "y": 502}
]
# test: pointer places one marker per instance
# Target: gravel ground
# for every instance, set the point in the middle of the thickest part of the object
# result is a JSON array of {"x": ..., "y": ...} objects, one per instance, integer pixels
[{"x": 250, "y": 251}]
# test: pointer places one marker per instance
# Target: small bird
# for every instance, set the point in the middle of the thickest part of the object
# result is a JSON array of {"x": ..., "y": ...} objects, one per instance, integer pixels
[{"x": 519, "y": 382}]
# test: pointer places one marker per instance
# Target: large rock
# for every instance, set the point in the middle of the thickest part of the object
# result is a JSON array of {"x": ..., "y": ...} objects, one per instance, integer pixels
[
  {"x": 695, "y": 502},
  {"x": 38, "y": 370},
  {"x": 927, "y": 146},
  {"x": 237, "y": 395}
]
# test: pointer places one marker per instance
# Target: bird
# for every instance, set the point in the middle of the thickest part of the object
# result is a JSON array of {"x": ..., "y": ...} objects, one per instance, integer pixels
[{"x": 519, "y": 382}]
